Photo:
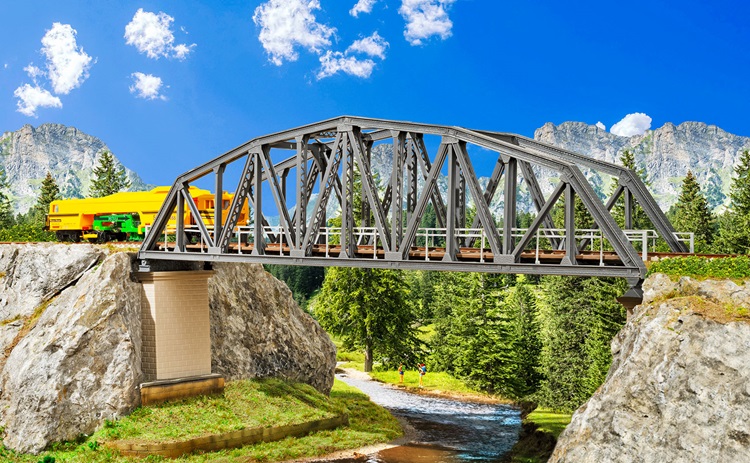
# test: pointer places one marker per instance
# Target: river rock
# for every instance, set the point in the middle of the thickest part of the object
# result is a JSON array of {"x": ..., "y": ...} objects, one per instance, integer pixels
[
  {"x": 80, "y": 364},
  {"x": 258, "y": 331},
  {"x": 678, "y": 389}
]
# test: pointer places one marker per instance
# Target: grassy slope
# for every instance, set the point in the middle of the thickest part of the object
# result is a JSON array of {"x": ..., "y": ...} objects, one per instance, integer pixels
[{"x": 245, "y": 404}]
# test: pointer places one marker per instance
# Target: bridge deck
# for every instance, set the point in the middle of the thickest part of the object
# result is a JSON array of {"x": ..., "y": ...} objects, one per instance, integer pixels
[{"x": 430, "y": 254}]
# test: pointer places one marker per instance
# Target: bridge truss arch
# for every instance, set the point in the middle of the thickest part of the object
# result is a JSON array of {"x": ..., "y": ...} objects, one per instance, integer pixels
[{"x": 380, "y": 220}]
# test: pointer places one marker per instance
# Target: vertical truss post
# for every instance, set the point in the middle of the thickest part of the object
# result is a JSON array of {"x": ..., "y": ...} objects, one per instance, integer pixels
[
  {"x": 367, "y": 161},
  {"x": 399, "y": 146},
  {"x": 509, "y": 197},
  {"x": 347, "y": 203},
  {"x": 450, "y": 224},
  {"x": 411, "y": 178},
  {"x": 570, "y": 226},
  {"x": 218, "y": 208},
  {"x": 180, "y": 231},
  {"x": 628, "y": 209},
  {"x": 300, "y": 212},
  {"x": 259, "y": 244},
  {"x": 461, "y": 202}
]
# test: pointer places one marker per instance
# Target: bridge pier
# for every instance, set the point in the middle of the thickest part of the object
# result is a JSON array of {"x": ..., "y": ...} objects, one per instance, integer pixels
[{"x": 176, "y": 337}]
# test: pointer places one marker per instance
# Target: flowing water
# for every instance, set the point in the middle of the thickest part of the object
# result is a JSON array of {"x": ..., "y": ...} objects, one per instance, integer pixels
[{"x": 448, "y": 431}]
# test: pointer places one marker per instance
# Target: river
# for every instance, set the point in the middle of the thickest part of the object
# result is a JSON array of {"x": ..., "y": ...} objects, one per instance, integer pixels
[{"x": 447, "y": 431}]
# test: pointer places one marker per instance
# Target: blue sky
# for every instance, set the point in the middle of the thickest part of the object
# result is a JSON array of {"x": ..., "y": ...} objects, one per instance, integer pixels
[{"x": 216, "y": 74}]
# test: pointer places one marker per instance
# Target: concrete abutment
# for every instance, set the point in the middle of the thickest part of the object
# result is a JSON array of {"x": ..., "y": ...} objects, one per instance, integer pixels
[{"x": 176, "y": 334}]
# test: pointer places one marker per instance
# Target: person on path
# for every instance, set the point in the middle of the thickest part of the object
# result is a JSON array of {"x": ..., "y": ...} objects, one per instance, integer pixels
[
  {"x": 401, "y": 373},
  {"x": 422, "y": 371}
]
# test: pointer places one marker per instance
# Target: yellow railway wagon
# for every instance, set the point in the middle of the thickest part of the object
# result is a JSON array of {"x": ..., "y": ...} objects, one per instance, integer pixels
[{"x": 76, "y": 219}]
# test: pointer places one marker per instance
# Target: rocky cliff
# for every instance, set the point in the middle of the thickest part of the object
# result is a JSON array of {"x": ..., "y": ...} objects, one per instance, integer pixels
[
  {"x": 666, "y": 154},
  {"x": 678, "y": 389},
  {"x": 70, "y": 338},
  {"x": 67, "y": 153}
]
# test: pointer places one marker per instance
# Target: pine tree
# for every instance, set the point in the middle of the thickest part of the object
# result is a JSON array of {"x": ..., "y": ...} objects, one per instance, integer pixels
[
  {"x": 693, "y": 214},
  {"x": 734, "y": 225},
  {"x": 640, "y": 219},
  {"x": 48, "y": 193},
  {"x": 108, "y": 178},
  {"x": 475, "y": 332},
  {"x": 740, "y": 190},
  {"x": 370, "y": 310},
  {"x": 6, "y": 209},
  {"x": 527, "y": 345},
  {"x": 580, "y": 318}
]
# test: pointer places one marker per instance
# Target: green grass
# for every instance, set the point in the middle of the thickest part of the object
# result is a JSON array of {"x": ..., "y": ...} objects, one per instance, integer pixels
[
  {"x": 550, "y": 421},
  {"x": 432, "y": 381},
  {"x": 264, "y": 403},
  {"x": 245, "y": 404}
]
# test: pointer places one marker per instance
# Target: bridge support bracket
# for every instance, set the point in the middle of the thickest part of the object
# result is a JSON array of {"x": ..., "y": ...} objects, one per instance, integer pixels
[
  {"x": 297, "y": 253},
  {"x": 632, "y": 296},
  {"x": 393, "y": 256}
]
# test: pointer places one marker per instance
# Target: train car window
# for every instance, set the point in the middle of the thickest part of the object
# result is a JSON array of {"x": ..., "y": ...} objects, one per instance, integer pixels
[
  {"x": 55, "y": 208},
  {"x": 225, "y": 204}
]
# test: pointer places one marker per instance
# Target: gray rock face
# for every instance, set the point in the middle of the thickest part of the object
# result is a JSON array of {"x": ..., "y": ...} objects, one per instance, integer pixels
[
  {"x": 79, "y": 365},
  {"x": 666, "y": 153},
  {"x": 69, "y": 154},
  {"x": 257, "y": 330},
  {"x": 678, "y": 389},
  {"x": 33, "y": 273}
]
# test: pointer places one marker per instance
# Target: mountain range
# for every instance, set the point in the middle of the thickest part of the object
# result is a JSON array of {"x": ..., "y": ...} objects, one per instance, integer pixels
[
  {"x": 665, "y": 154},
  {"x": 68, "y": 154}
]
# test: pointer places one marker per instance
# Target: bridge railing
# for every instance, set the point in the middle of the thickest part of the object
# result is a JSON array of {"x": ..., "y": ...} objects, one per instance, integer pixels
[{"x": 434, "y": 238}]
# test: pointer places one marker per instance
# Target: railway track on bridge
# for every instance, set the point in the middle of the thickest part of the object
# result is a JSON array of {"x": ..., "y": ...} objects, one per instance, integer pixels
[{"x": 430, "y": 254}]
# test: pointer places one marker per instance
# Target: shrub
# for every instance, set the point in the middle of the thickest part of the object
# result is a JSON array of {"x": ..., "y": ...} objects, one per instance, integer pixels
[{"x": 727, "y": 267}]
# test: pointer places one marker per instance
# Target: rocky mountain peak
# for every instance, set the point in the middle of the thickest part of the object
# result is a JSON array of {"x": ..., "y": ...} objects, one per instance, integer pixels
[
  {"x": 666, "y": 154},
  {"x": 67, "y": 153}
]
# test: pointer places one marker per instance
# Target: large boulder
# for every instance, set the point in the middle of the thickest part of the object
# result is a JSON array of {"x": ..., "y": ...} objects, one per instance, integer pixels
[
  {"x": 33, "y": 273},
  {"x": 79, "y": 365},
  {"x": 257, "y": 330},
  {"x": 678, "y": 389},
  {"x": 30, "y": 275}
]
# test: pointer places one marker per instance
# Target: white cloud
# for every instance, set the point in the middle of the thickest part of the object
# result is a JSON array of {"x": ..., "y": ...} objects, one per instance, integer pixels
[
  {"x": 33, "y": 71},
  {"x": 67, "y": 64},
  {"x": 287, "y": 23},
  {"x": 362, "y": 6},
  {"x": 151, "y": 33},
  {"x": 425, "y": 18},
  {"x": 333, "y": 62},
  {"x": 632, "y": 124},
  {"x": 31, "y": 98},
  {"x": 373, "y": 45},
  {"x": 601, "y": 126},
  {"x": 146, "y": 86}
]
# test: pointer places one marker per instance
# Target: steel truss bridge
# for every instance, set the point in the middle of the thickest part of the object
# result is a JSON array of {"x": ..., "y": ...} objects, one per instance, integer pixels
[{"x": 380, "y": 218}]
